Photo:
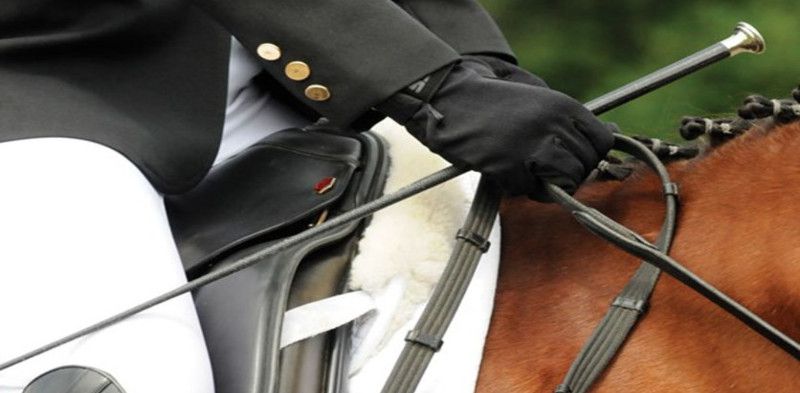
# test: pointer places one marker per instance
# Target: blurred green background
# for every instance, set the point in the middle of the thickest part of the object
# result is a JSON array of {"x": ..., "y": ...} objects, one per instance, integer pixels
[{"x": 588, "y": 47}]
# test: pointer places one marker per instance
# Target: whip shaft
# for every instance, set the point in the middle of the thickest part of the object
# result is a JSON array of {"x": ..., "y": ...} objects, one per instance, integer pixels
[{"x": 745, "y": 39}]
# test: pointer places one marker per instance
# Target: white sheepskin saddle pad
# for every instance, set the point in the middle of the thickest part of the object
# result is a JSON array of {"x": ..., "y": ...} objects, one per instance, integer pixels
[{"x": 401, "y": 257}]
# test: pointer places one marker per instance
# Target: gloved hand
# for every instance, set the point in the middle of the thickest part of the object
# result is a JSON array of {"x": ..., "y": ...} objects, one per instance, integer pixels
[{"x": 517, "y": 134}]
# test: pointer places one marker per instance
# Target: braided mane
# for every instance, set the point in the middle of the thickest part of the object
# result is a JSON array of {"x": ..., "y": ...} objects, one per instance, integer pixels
[{"x": 756, "y": 112}]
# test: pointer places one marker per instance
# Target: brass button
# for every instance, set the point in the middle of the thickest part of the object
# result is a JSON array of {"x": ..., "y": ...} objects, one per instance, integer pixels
[
  {"x": 318, "y": 93},
  {"x": 269, "y": 51},
  {"x": 297, "y": 71}
]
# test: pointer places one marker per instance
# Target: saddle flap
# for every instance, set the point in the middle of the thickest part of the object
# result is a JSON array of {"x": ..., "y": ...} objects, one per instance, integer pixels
[
  {"x": 242, "y": 315},
  {"x": 281, "y": 181}
]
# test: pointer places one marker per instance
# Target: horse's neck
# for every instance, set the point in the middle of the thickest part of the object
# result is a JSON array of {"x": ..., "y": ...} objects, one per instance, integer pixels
[{"x": 738, "y": 226}]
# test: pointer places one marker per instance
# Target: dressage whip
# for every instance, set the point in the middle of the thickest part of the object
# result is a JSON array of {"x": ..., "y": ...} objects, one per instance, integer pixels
[{"x": 745, "y": 39}]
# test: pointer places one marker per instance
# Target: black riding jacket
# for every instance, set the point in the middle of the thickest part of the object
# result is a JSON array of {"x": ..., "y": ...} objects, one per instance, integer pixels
[{"x": 148, "y": 77}]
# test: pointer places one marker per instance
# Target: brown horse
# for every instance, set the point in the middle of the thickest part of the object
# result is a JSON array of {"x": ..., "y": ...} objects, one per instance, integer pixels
[{"x": 738, "y": 229}]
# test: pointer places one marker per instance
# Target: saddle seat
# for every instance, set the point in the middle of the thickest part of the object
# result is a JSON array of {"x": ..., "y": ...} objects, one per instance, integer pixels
[{"x": 280, "y": 186}]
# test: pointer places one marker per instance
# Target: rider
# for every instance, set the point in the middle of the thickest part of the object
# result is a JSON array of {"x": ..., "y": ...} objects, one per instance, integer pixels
[{"x": 107, "y": 105}]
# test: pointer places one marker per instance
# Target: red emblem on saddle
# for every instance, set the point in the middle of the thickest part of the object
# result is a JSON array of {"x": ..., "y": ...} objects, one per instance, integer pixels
[{"x": 325, "y": 185}]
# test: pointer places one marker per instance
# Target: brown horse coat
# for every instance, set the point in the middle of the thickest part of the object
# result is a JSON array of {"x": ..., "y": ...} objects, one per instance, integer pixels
[{"x": 739, "y": 229}]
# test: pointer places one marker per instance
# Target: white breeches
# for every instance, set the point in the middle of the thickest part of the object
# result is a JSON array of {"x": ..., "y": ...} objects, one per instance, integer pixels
[{"x": 84, "y": 235}]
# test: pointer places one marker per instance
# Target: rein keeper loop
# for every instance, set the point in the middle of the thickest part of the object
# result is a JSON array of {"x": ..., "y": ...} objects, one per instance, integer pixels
[
  {"x": 671, "y": 189},
  {"x": 563, "y": 388},
  {"x": 474, "y": 239},
  {"x": 427, "y": 340},
  {"x": 627, "y": 303}
]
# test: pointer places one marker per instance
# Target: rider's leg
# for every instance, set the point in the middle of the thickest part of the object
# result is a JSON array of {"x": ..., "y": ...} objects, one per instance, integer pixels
[{"x": 83, "y": 235}]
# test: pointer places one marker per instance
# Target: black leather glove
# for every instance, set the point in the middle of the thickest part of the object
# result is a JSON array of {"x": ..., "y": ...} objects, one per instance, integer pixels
[{"x": 518, "y": 134}]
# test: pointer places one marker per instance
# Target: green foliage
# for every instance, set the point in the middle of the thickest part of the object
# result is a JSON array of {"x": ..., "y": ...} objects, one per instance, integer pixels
[{"x": 588, "y": 47}]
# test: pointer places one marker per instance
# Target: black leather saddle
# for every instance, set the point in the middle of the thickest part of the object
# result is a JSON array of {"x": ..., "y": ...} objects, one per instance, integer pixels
[{"x": 288, "y": 182}]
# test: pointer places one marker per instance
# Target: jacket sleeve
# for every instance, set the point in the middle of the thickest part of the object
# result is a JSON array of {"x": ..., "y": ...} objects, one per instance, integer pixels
[
  {"x": 463, "y": 24},
  {"x": 353, "y": 53}
]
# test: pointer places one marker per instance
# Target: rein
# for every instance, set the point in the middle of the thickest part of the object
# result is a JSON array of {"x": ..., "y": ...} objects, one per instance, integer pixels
[{"x": 632, "y": 302}]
